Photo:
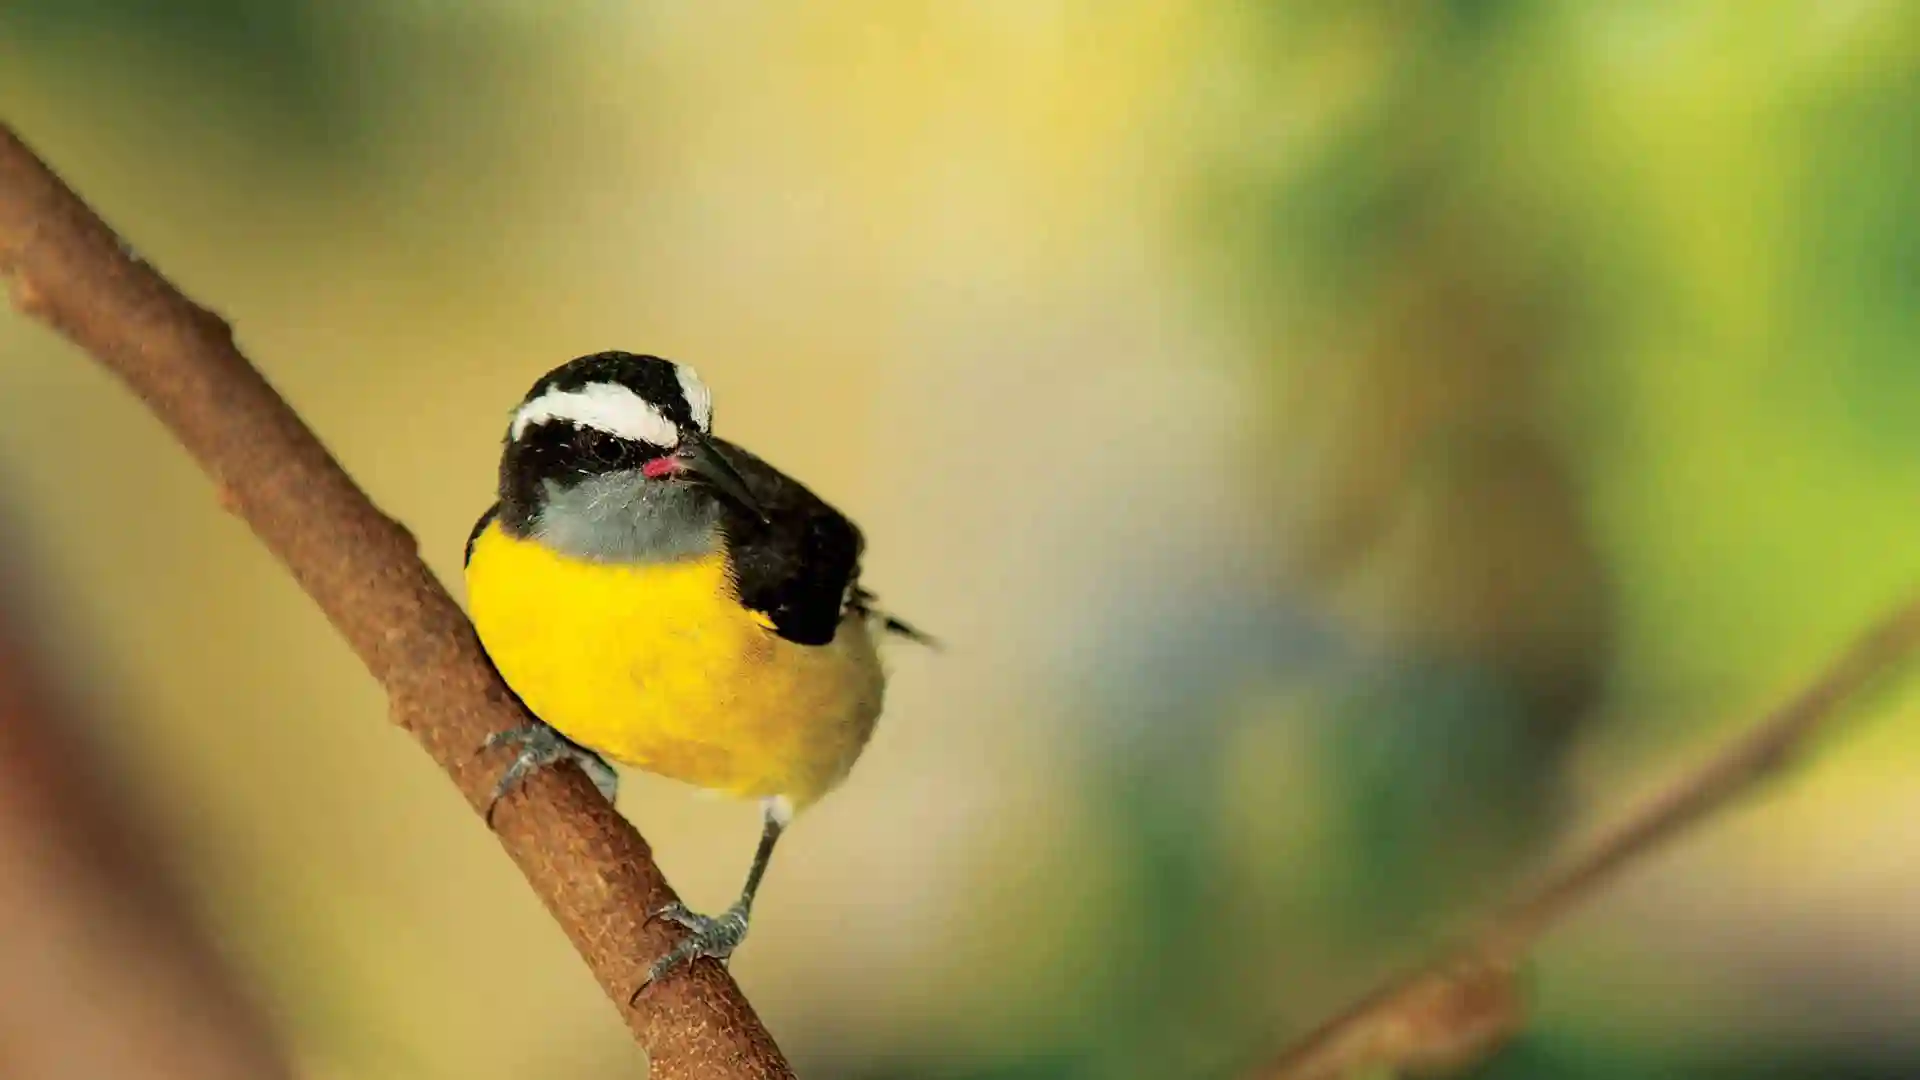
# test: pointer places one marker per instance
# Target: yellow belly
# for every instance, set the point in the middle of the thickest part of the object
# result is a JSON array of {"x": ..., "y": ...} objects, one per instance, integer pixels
[{"x": 659, "y": 667}]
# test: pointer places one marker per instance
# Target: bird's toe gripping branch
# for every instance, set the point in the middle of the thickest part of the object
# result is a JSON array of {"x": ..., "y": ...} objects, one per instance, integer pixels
[
  {"x": 542, "y": 747},
  {"x": 712, "y": 935}
]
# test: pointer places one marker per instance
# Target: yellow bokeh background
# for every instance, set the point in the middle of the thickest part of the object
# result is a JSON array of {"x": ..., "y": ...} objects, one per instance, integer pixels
[{"x": 1065, "y": 305}]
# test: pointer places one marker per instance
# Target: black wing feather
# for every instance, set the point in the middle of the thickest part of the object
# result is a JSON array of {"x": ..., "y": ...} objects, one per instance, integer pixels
[
  {"x": 799, "y": 567},
  {"x": 478, "y": 528}
]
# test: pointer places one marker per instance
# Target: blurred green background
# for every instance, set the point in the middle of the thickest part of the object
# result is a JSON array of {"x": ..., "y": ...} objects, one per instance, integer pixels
[{"x": 1343, "y": 446}]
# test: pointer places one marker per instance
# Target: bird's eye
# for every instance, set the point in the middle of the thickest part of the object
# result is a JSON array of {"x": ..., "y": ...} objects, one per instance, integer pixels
[{"x": 609, "y": 450}]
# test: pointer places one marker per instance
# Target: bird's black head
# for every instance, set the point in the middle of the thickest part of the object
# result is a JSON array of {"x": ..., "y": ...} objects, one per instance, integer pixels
[{"x": 608, "y": 456}]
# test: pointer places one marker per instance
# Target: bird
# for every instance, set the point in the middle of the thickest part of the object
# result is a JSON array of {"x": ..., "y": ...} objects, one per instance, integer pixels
[{"x": 661, "y": 598}]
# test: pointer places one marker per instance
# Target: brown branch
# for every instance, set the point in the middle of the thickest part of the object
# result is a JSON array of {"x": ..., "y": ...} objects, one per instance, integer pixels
[
  {"x": 592, "y": 870},
  {"x": 104, "y": 971},
  {"x": 1464, "y": 1007}
]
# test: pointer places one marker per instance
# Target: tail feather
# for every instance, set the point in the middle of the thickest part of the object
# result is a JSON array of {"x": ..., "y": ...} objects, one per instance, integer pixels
[{"x": 863, "y": 602}]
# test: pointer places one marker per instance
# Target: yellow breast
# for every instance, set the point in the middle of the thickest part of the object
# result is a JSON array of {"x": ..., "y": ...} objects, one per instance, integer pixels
[{"x": 659, "y": 666}]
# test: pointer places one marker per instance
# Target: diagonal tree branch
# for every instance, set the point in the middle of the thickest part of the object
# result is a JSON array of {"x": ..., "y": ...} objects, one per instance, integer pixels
[
  {"x": 1466, "y": 1006},
  {"x": 588, "y": 865}
]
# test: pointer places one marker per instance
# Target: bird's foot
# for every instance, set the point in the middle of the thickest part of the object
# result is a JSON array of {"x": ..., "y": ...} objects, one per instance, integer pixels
[
  {"x": 542, "y": 747},
  {"x": 712, "y": 935}
]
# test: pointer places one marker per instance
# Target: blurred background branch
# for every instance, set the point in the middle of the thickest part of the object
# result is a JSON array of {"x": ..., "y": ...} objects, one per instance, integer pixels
[
  {"x": 1462, "y": 1009},
  {"x": 594, "y": 872},
  {"x": 104, "y": 969}
]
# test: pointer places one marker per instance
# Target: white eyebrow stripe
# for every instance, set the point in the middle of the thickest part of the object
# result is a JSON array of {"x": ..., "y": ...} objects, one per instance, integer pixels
[
  {"x": 699, "y": 398},
  {"x": 607, "y": 407}
]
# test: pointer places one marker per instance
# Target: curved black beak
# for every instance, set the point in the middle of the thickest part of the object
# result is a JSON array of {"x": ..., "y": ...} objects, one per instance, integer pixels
[{"x": 698, "y": 456}]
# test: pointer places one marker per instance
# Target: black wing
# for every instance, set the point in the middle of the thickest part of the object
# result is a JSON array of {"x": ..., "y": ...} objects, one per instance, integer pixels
[
  {"x": 478, "y": 528},
  {"x": 798, "y": 568}
]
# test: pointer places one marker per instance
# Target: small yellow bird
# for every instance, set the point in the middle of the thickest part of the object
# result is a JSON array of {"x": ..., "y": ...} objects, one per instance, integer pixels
[{"x": 660, "y": 597}]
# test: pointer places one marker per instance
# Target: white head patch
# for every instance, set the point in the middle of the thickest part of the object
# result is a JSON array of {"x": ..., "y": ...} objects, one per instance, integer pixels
[
  {"x": 699, "y": 398},
  {"x": 604, "y": 406}
]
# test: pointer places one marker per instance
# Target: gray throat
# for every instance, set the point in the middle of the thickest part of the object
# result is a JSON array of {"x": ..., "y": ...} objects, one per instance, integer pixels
[{"x": 625, "y": 517}]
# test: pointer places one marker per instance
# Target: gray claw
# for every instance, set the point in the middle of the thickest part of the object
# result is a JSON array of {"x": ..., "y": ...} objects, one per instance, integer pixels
[
  {"x": 678, "y": 912},
  {"x": 541, "y": 747},
  {"x": 712, "y": 935}
]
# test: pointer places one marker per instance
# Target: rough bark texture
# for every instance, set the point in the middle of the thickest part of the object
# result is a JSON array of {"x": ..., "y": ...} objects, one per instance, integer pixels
[{"x": 591, "y": 868}]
